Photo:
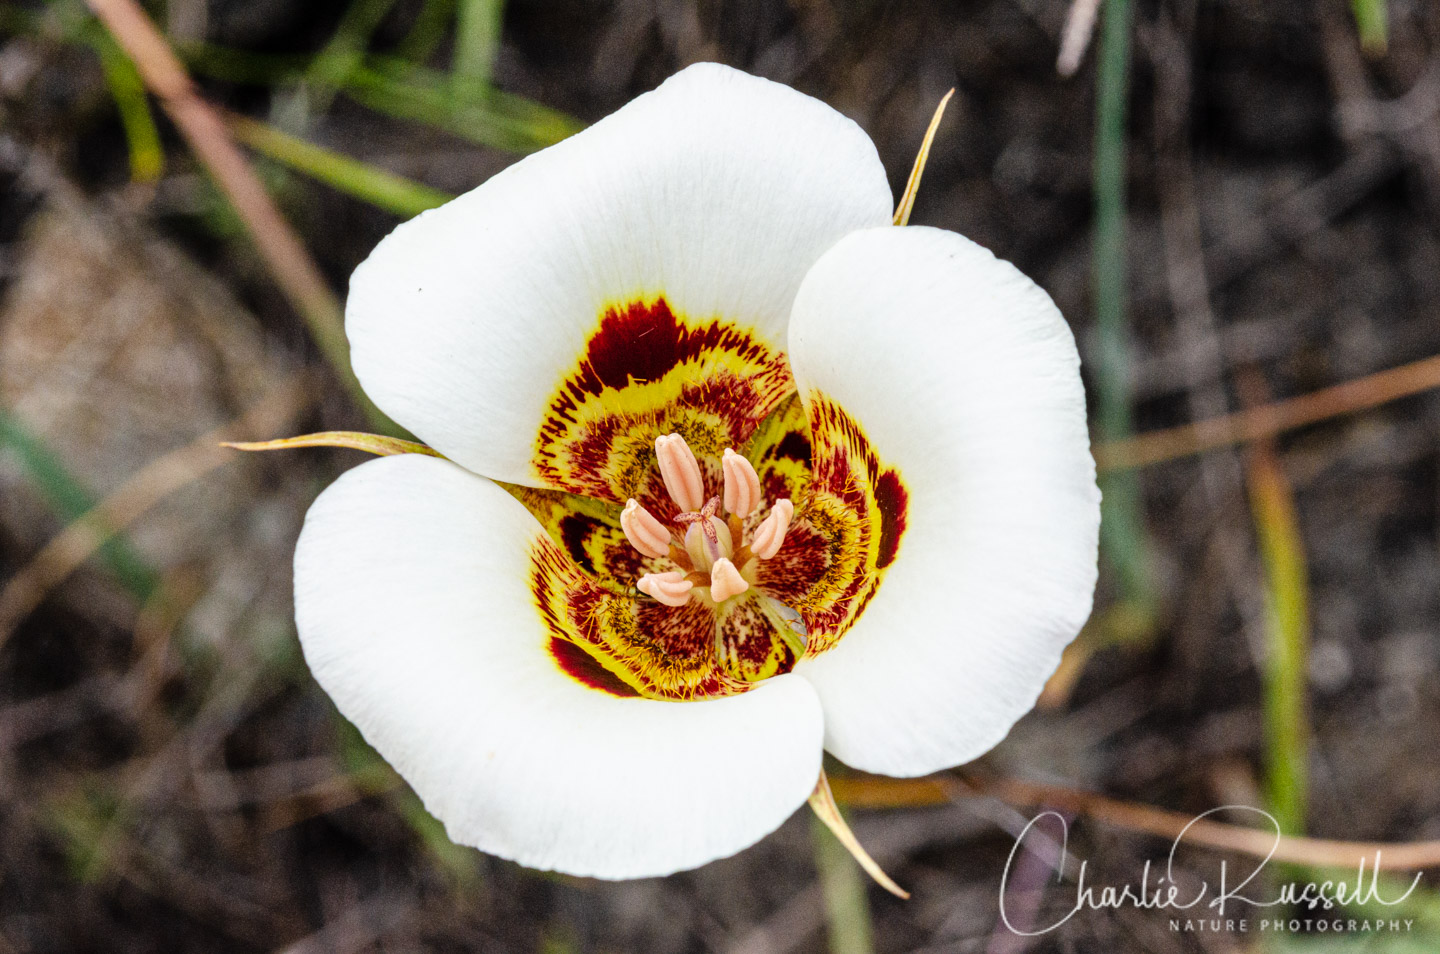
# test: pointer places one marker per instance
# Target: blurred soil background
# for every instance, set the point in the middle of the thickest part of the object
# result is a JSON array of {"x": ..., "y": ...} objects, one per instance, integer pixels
[{"x": 1268, "y": 626}]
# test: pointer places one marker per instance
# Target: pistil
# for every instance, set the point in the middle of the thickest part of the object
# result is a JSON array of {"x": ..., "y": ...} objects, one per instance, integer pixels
[{"x": 706, "y": 541}]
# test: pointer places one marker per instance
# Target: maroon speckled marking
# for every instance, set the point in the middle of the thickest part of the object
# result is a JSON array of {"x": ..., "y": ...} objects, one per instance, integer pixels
[
  {"x": 846, "y": 465},
  {"x": 747, "y": 633},
  {"x": 847, "y": 531},
  {"x": 796, "y": 566},
  {"x": 669, "y": 651}
]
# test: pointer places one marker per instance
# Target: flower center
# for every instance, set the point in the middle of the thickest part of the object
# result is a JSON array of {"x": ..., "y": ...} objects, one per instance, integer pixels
[{"x": 708, "y": 563}]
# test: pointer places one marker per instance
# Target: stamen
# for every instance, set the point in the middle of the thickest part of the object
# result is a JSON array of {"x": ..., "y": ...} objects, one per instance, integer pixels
[
  {"x": 726, "y": 581},
  {"x": 742, "y": 484},
  {"x": 771, "y": 532},
  {"x": 670, "y": 588},
  {"x": 680, "y": 472},
  {"x": 643, "y": 530},
  {"x": 708, "y": 554}
]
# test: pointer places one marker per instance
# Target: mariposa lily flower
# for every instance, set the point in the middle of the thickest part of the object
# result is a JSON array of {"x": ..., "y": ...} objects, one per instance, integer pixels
[{"x": 734, "y": 472}]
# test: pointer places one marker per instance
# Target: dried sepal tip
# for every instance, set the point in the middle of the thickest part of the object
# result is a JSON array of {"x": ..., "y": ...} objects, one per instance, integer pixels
[
  {"x": 822, "y": 802},
  {"x": 912, "y": 185},
  {"x": 377, "y": 444}
]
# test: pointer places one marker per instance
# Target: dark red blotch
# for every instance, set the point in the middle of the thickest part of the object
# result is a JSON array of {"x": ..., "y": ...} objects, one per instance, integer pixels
[
  {"x": 575, "y": 529},
  {"x": 582, "y": 666},
  {"x": 793, "y": 446},
  {"x": 891, "y": 499},
  {"x": 641, "y": 341}
]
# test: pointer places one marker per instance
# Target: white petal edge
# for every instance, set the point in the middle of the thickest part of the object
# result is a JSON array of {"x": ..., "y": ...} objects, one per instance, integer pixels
[
  {"x": 965, "y": 378},
  {"x": 718, "y": 190},
  {"x": 415, "y": 615}
]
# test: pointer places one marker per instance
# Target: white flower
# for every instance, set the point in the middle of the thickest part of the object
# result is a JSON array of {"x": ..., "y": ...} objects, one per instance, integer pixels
[{"x": 900, "y": 553}]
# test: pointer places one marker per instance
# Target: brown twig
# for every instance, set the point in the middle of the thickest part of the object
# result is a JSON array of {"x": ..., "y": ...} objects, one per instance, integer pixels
[
  {"x": 1256, "y": 423},
  {"x": 147, "y": 487},
  {"x": 861, "y": 791},
  {"x": 329, "y": 795},
  {"x": 285, "y": 255}
]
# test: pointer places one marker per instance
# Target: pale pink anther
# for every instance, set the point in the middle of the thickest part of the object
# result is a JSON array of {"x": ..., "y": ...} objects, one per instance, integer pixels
[
  {"x": 726, "y": 581},
  {"x": 680, "y": 471},
  {"x": 670, "y": 587},
  {"x": 742, "y": 484},
  {"x": 771, "y": 532},
  {"x": 643, "y": 530}
]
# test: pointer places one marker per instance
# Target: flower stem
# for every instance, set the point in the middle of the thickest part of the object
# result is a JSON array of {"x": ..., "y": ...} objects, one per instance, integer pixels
[{"x": 847, "y": 909}]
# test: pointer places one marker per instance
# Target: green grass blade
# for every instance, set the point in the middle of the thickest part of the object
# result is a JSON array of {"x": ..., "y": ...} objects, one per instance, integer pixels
[
  {"x": 397, "y": 88},
  {"x": 351, "y": 176},
  {"x": 1372, "y": 20},
  {"x": 477, "y": 39},
  {"x": 429, "y": 28},
  {"x": 1287, "y": 597},
  {"x": 474, "y": 111},
  {"x": 1122, "y": 526},
  {"x": 147, "y": 155},
  {"x": 241, "y": 66},
  {"x": 142, "y": 137},
  {"x": 345, "y": 51},
  {"x": 70, "y": 500}
]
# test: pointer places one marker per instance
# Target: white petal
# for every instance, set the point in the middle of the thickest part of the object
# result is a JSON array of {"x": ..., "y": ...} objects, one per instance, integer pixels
[
  {"x": 965, "y": 378},
  {"x": 416, "y": 616},
  {"x": 717, "y": 192}
]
